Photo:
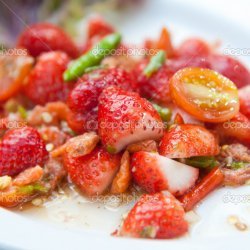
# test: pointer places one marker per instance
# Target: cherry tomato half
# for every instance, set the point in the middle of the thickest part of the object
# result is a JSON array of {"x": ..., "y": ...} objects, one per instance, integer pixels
[
  {"x": 13, "y": 70},
  {"x": 205, "y": 94}
]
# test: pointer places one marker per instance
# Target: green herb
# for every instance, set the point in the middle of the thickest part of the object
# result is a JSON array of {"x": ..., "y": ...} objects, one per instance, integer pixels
[
  {"x": 155, "y": 63},
  {"x": 22, "y": 111},
  {"x": 238, "y": 164},
  {"x": 165, "y": 113},
  {"x": 93, "y": 57},
  {"x": 202, "y": 162},
  {"x": 29, "y": 189}
]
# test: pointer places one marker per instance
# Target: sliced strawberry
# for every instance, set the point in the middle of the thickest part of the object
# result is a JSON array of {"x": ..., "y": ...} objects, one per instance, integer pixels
[
  {"x": 158, "y": 216},
  {"x": 44, "y": 37},
  {"x": 156, "y": 87},
  {"x": 124, "y": 118},
  {"x": 13, "y": 70},
  {"x": 244, "y": 94},
  {"x": 184, "y": 141},
  {"x": 21, "y": 149},
  {"x": 94, "y": 172},
  {"x": 155, "y": 173},
  {"x": 231, "y": 68},
  {"x": 45, "y": 82}
]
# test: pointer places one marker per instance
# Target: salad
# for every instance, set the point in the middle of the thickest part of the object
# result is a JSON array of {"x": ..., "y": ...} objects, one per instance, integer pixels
[{"x": 171, "y": 124}]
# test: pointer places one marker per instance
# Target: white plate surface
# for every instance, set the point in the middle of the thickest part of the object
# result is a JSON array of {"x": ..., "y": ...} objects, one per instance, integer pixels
[{"x": 73, "y": 223}]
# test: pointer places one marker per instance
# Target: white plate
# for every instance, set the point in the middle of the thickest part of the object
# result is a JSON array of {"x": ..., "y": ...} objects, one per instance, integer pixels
[{"x": 73, "y": 223}]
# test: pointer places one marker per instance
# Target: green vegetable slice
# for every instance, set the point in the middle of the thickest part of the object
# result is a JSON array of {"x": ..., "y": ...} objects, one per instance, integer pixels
[
  {"x": 93, "y": 57},
  {"x": 155, "y": 63},
  {"x": 207, "y": 162}
]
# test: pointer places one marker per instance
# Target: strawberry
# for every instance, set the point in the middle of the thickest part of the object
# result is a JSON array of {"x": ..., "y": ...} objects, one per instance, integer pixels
[
  {"x": 124, "y": 118},
  {"x": 158, "y": 216},
  {"x": 184, "y": 62},
  {"x": 244, "y": 94},
  {"x": 81, "y": 123},
  {"x": 231, "y": 68},
  {"x": 155, "y": 173},
  {"x": 155, "y": 87},
  {"x": 94, "y": 172},
  {"x": 186, "y": 140},
  {"x": 21, "y": 149},
  {"x": 45, "y": 82},
  {"x": 84, "y": 97},
  {"x": 193, "y": 47},
  {"x": 45, "y": 37},
  {"x": 98, "y": 27}
]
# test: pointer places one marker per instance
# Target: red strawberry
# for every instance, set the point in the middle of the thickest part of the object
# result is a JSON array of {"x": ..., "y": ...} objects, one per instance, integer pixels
[
  {"x": 21, "y": 149},
  {"x": 124, "y": 118},
  {"x": 44, "y": 37},
  {"x": 156, "y": 87},
  {"x": 184, "y": 62},
  {"x": 94, "y": 172},
  {"x": 184, "y": 141},
  {"x": 84, "y": 97},
  {"x": 155, "y": 173},
  {"x": 45, "y": 82},
  {"x": 81, "y": 123},
  {"x": 158, "y": 216},
  {"x": 193, "y": 47},
  {"x": 244, "y": 94},
  {"x": 98, "y": 27},
  {"x": 231, "y": 68}
]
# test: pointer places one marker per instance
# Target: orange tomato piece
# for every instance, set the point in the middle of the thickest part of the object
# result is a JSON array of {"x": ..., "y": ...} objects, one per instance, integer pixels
[{"x": 205, "y": 94}]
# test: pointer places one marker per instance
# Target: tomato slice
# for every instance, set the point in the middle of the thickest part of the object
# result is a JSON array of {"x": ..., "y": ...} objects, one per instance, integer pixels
[
  {"x": 13, "y": 70},
  {"x": 205, "y": 94}
]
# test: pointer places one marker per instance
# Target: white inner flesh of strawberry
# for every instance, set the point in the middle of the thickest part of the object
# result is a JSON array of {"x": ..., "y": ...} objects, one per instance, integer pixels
[
  {"x": 143, "y": 132},
  {"x": 180, "y": 177}
]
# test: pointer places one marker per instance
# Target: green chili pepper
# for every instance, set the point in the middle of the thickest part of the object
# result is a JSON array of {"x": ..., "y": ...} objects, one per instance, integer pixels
[
  {"x": 165, "y": 113},
  {"x": 202, "y": 162},
  {"x": 155, "y": 63},
  {"x": 93, "y": 57}
]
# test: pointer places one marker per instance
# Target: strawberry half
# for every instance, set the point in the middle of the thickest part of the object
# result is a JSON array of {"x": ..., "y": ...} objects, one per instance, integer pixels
[
  {"x": 158, "y": 216},
  {"x": 94, "y": 172},
  {"x": 124, "y": 118},
  {"x": 187, "y": 140},
  {"x": 155, "y": 173}
]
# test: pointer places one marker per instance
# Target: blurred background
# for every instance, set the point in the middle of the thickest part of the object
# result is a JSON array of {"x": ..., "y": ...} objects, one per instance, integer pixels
[{"x": 140, "y": 18}]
